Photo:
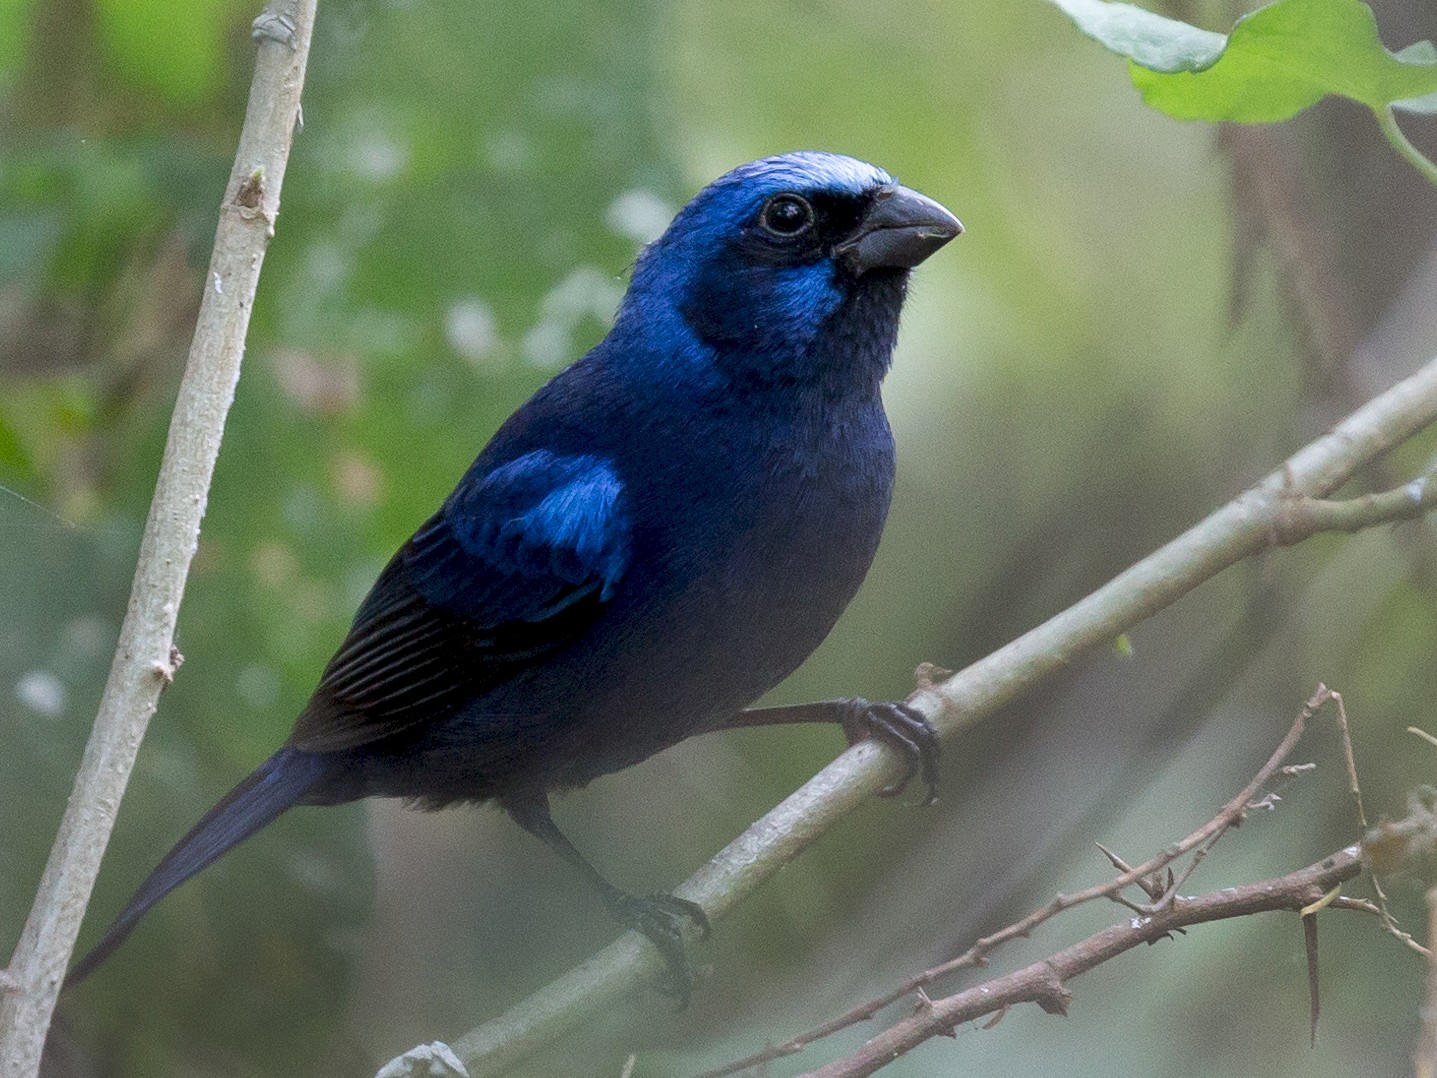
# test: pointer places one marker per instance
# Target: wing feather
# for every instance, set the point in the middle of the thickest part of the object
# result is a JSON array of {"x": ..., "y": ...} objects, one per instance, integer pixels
[{"x": 519, "y": 562}]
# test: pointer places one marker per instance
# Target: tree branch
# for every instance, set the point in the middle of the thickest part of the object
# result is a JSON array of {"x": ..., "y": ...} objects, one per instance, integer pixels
[
  {"x": 1045, "y": 981},
  {"x": 1251, "y": 523},
  {"x": 1406, "y": 845},
  {"x": 145, "y": 659},
  {"x": 1147, "y": 876}
]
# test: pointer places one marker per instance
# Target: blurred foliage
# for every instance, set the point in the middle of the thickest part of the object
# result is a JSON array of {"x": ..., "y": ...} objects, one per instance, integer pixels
[{"x": 1128, "y": 333}]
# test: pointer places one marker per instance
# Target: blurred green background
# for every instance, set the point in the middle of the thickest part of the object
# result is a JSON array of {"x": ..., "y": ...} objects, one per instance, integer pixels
[{"x": 1143, "y": 317}]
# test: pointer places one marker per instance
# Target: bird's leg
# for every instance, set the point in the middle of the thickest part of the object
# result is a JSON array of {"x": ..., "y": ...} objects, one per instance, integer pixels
[
  {"x": 904, "y": 727},
  {"x": 658, "y": 916}
]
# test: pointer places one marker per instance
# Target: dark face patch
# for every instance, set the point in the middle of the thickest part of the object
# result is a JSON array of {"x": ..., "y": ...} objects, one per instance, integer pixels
[{"x": 796, "y": 228}]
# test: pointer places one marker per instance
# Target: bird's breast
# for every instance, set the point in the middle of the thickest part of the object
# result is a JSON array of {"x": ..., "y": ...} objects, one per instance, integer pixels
[{"x": 779, "y": 527}]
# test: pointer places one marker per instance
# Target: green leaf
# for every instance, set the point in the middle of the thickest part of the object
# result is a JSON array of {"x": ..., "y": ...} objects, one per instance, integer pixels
[
  {"x": 1426, "y": 103},
  {"x": 1278, "y": 60},
  {"x": 1155, "y": 42}
]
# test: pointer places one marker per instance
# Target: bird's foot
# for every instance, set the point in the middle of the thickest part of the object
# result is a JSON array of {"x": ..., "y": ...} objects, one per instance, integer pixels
[
  {"x": 906, "y": 729},
  {"x": 661, "y": 918}
]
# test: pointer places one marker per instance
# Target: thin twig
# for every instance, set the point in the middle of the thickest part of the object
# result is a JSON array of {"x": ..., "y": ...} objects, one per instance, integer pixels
[
  {"x": 144, "y": 658},
  {"x": 1354, "y": 787},
  {"x": 1045, "y": 982},
  {"x": 1245, "y": 526},
  {"x": 1201, "y": 840},
  {"x": 1305, "y": 517}
]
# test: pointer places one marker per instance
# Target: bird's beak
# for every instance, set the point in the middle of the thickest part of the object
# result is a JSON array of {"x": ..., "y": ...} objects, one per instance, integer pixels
[{"x": 900, "y": 230}]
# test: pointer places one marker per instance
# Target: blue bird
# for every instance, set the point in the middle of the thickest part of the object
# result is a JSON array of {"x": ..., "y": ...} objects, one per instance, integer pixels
[{"x": 661, "y": 534}]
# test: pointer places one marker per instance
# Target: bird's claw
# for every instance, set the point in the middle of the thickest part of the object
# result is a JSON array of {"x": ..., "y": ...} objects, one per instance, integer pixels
[
  {"x": 660, "y": 917},
  {"x": 906, "y": 729}
]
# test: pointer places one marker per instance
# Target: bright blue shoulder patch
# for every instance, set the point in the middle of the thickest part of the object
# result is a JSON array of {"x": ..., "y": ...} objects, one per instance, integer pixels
[{"x": 546, "y": 515}]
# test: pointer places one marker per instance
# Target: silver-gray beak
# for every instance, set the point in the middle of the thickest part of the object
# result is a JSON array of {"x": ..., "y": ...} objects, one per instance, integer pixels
[{"x": 900, "y": 230}]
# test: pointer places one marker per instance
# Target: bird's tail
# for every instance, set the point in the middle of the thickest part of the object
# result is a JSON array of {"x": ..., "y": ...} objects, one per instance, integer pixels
[{"x": 276, "y": 785}]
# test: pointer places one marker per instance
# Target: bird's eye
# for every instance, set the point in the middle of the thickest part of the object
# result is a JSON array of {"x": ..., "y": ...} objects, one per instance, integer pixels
[{"x": 786, "y": 216}]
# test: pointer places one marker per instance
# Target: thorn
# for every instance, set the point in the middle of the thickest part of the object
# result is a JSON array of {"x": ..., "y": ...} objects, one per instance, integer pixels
[{"x": 1116, "y": 861}]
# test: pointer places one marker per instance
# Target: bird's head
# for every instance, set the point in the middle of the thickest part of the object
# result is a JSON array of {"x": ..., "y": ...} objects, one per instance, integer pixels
[{"x": 790, "y": 268}]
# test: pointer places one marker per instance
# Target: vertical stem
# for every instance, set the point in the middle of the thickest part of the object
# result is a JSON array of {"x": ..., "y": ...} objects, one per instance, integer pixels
[
  {"x": 144, "y": 659},
  {"x": 1399, "y": 142},
  {"x": 1425, "y": 1063}
]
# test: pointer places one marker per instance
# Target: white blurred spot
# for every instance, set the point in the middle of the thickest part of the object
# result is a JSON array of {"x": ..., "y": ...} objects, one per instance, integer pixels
[
  {"x": 548, "y": 345},
  {"x": 90, "y": 635},
  {"x": 42, "y": 692},
  {"x": 258, "y": 686},
  {"x": 378, "y": 155},
  {"x": 357, "y": 479},
  {"x": 381, "y": 332},
  {"x": 509, "y": 152},
  {"x": 324, "y": 385},
  {"x": 639, "y": 215},
  {"x": 586, "y": 293},
  {"x": 470, "y": 330},
  {"x": 315, "y": 871},
  {"x": 326, "y": 266},
  {"x": 302, "y": 508}
]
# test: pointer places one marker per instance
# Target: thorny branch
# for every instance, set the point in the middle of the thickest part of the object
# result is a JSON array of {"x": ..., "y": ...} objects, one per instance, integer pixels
[
  {"x": 1160, "y": 889},
  {"x": 1045, "y": 982},
  {"x": 1388, "y": 848}
]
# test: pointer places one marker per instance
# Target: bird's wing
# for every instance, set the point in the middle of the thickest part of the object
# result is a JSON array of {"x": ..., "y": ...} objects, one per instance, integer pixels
[{"x": 518, "y": 562}]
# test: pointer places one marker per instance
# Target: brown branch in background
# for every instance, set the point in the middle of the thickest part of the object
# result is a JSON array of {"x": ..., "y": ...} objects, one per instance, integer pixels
[
  {"x": 1161, "y": 893},
  {"x": 1425, "y": 1061},
  {"x": 145, "y": 659},
  {"x": 1309, "y": 939},
  {"x": 1045, "y": 982},
  {"x": 1273, "y": 201}
]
